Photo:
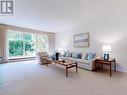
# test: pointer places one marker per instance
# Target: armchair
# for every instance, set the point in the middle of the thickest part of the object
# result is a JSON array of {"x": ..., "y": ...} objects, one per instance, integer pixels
[{"x": 42, "y": 58}]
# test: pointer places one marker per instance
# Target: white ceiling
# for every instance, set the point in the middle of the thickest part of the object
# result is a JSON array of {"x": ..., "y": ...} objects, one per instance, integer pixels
[{"x": 59, "y": 15}]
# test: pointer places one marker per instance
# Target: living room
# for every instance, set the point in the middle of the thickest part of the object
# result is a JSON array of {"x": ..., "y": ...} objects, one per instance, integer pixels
[{"x": 89, "y": 37}]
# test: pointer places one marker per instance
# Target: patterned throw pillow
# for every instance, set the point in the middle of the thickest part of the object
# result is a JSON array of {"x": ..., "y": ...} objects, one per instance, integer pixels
[
  {"x": 64, "y": 54},
  {"x": 85, "y": 56},
  {"x": 91, "y": 56},
  {"x": 74, "y": 55},
  {"x": 68, "y": 54}
]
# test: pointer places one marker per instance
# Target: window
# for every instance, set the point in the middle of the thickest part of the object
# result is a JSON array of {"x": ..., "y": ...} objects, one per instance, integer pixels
[
  {"x": 15, "y": 44},
  {"x": 42, "y": 43},
  {"x": 23, "y": 44}
]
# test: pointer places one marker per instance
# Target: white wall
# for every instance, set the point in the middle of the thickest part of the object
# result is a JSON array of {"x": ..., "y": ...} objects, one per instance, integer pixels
[
  {"x": 0, "y": 40},
  {"x": 111, "y": 29}
]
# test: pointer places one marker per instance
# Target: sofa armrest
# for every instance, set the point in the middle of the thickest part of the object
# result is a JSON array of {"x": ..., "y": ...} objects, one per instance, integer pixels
[{"x": 92, "y": 64}]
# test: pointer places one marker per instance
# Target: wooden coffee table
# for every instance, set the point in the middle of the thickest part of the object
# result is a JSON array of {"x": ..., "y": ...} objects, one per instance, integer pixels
[{"x": 67, "y": 65}]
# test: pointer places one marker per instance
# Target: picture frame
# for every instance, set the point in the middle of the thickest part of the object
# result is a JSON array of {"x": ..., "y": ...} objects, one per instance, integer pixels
[
  {"x": 106, "y": 57},
  {"x": 81, "y": 40}
]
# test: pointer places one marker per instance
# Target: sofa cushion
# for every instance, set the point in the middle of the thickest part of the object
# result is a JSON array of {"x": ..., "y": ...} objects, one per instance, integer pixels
[
  {"x": 71, "y": 59},
  {"x": 83, "y": 61}
]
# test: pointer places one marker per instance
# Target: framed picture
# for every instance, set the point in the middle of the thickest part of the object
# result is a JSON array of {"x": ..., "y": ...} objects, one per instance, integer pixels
[
  {"x": 106, "y": 57},
  {"x": 81, "y": 40}
]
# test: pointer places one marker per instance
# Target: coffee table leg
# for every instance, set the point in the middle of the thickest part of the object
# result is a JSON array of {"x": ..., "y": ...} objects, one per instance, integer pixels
[
  {"x": 115, "y": 65},
  {"x": 66, "y": 71},
  {"x": 95, "y": 65},
  {"x": 76, "y": 67}
]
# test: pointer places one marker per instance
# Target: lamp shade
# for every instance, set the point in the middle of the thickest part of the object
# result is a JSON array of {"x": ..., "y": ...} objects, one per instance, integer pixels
[
  {"x": 106, "y": 48},
  {"x": 60, "y": 50}
]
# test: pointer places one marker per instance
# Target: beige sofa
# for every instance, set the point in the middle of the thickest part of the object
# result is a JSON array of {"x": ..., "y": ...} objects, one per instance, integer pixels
[{"x": 82, "y": 63}]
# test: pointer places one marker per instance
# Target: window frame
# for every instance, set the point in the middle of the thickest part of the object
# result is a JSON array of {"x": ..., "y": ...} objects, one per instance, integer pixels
[{"x": 35, "y": 34}]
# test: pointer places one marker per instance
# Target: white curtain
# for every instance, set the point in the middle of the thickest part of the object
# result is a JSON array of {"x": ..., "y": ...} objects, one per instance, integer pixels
[{"x": 3, "y": 43}]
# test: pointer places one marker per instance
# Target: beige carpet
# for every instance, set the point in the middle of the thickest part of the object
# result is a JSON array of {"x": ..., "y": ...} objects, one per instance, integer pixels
[{"x": 29, "y": 78}]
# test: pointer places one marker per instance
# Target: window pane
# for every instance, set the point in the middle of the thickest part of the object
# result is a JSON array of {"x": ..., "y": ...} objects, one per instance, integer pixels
[
  {"x": 15, "y": 44},
  {"x": 30, "y": 46},
  {"x": 42, "y": 43}
]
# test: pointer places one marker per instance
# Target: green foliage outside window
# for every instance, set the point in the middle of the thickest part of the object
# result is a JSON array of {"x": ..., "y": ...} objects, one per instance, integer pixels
[
  {"x": 26, "y": 44},
  {"x": 16, "y": 48}
]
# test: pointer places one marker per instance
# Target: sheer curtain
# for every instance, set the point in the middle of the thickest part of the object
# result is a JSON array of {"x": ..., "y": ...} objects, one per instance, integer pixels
[{"x": 3, "y": 43}]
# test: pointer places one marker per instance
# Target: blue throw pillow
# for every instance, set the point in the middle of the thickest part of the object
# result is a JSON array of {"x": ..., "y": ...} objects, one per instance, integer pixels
[
  {"x": 86, "y": 56},
  {"x": 74, "y": 55},
  {"x": 91, "y": 56},
  {"x": 64, "y": 54},
  {"x": 68, "y": 54}
]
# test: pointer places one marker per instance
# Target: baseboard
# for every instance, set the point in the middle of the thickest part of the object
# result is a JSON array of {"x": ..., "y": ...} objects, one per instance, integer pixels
[
  {"x": 21, "y": 59},
  {"x": 121, "y": 70}
]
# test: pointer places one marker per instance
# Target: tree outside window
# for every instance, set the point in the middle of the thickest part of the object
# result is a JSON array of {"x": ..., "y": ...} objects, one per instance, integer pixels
[{"x": 23, "y": 44}]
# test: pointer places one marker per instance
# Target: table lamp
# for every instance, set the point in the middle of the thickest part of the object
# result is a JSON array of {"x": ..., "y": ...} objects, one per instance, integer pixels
[{"x": 106, "y": 50}]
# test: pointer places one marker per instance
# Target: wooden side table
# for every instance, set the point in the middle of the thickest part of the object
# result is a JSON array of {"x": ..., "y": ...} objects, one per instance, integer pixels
[{"x": 110, "y": 62}]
